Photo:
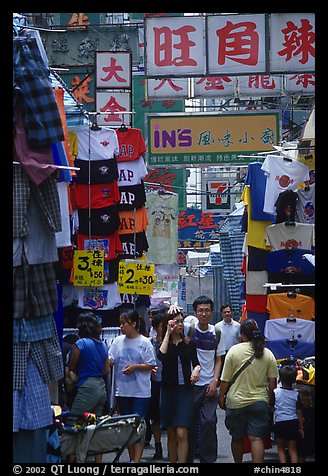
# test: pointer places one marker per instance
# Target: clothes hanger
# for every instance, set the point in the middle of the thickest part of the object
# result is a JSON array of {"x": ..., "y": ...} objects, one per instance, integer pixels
[
  {"x": 94, "y": 126},
  {"x": 291, "y": 294}
]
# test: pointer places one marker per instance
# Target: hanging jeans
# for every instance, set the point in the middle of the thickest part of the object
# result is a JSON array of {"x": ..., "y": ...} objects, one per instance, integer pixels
[{"x": 33, "y": 90}]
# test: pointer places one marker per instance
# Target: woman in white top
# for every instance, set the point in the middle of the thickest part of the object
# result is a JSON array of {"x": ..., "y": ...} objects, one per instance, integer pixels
[{"x": 133, "y": 358}]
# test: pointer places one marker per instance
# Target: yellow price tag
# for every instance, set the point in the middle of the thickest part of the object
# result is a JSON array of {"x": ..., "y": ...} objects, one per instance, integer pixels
[
  {"x": 136, "y": 277},
  {"x": 88, "y": 268}
]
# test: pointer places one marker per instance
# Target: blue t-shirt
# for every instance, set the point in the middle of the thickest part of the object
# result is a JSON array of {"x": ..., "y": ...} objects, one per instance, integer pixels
[
  {"x": 92, "y": 359},
  {"x": 284, "y": 261},
  {"x": 257, "y": 179}
]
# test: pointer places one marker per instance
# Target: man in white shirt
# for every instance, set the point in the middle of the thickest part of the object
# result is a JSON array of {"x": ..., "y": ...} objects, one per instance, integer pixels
[{"x": 230, "y": 329}]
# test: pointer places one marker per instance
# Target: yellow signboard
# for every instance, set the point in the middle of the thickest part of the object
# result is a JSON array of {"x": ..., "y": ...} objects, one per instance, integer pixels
[
  {"x": 136, "y": 277},
  {"x": 203, "y": 139},
  {"x": 88, "y": 268}
]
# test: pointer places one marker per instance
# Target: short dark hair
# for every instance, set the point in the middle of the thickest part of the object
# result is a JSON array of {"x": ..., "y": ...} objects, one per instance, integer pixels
[
  {"x": 202, "y": 300},
  {"x": 287, "y": 374},
  {"x": 224, "y": 306},
  {"x": 88, "y": 325}
]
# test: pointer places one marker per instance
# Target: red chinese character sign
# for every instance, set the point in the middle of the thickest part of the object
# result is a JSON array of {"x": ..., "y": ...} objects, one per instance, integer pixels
[
  {"x": 300, "y": 83},
  {"x": 175, "y": 46},
  {"x": 292, "y": 42},
  {"x": 111, "y": 105},
  {"x": 236, "y": 44},
  {"x": 260, "y": 85},
  {"x": 113, "y": 69},
  {"x": 229, "y": 45},
  {"x": 214, "y": 86},
  {"x": 168, "y": 88}
]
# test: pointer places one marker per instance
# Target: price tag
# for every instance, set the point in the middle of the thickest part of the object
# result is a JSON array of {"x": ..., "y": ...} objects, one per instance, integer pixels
[
  {"x": 136, "y": 277},
  {"x": 88, "y": 268}
]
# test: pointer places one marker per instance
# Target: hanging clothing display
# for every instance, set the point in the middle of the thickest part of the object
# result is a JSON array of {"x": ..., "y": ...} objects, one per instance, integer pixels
[
  {"x": 96, "y": 144},
  {"x": 290, "y": 329},
  {"x": 297, "y": 235},
  {"x": 131, "y": 144},
  {"x": 162, "y": 233},
  {"x": 290, "y": 304},
  {"x": 305, "y": 205},
  {"x": 282, "y": 174}
]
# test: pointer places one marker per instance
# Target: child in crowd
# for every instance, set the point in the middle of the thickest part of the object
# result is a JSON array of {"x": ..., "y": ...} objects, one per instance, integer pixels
[{"x": 287, "y": 416}]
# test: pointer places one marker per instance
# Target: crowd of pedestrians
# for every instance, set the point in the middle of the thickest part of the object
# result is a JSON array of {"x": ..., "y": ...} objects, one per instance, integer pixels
[{"x": 177, "y": 374}]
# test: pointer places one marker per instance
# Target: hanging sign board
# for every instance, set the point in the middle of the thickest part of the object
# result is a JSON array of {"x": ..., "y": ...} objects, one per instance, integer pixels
[
  {"x": 200, "y": 139},
  {"x": 136, "y": 277},
  {"x": 88, "y": 268}
]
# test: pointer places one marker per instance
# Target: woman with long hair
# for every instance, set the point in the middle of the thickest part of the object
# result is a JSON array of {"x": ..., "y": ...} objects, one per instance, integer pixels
[
  {"x": 247, "y": 401},
  {"x": 178, "y": 356}
]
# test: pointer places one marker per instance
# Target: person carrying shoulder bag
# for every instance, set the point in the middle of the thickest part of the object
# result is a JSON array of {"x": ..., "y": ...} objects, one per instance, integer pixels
[{"x": 246, "y": 401}]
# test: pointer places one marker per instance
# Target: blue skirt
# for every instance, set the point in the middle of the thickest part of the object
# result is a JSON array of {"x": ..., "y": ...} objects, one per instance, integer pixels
[{"x": 176, "y": 407}]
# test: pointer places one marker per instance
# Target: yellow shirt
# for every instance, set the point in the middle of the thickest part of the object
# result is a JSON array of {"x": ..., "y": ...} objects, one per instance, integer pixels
[
  {"x": 255, "y": 228},
  {"x": 252, "y": 384}
]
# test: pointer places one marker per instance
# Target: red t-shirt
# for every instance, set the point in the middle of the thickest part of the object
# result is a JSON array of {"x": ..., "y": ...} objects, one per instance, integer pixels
[
  {"x": 101, "y": 195},
  {"x": 111, "y": 244},
  {"x": 131, "y": 144}
]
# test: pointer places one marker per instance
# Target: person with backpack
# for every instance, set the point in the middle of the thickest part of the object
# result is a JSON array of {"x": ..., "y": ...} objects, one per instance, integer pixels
[
  {"x": 248, "y": 380},
  {"x": 210, "y": 349}
]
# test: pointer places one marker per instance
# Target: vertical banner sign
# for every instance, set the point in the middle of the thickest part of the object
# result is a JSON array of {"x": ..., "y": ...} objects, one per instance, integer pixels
[
  {"x": 136, "y": 277},
  {"x": 88, "y": 268}
]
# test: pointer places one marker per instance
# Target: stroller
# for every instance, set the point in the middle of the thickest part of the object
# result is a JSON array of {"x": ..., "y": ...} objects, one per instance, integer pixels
[{"x": 88, "y": 435}]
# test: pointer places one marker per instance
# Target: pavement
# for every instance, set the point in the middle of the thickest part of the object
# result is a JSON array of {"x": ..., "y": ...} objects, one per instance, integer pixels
[{"x": 224, "y": 450}]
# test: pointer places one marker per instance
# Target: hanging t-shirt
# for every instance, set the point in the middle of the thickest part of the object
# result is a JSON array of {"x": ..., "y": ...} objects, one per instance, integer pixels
[
  {"x": 102, "y": 297},
  {"x": 281, "y": 236},
  {"x": 289, "y": 329},
  {"x": 256, "y": 302},
  {"x": 133, "y": 196},
  {"x": 133, "y": 245},
  {"x": 131, "y": 144},
  {"x": 255, "y": 228},
  {"x": 281, "y": 174},
  {"x": 281, "y": 305},
  {"x": 103, "y": 221},
  {"x": 254, "y": 282},
  {"x": 96, "y": 145},
  {"x": 289, "y": 261},
  {"x": 95, "y": 195},
  {"x": 111, "y": 245},
  {"x": 257, "y": 259},
  {"x": 286, "y": 206},
  {"x": 305, "y": 206},
  {"x": 162, "y": 232},
  {"x": 131, "y": 173},
  {"x": 256, "y": 179},
  {"x": 133, "y": 221},
  {"x": 96, "y": 171}
]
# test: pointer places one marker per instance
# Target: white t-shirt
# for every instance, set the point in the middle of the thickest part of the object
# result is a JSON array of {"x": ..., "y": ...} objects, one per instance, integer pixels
[
  {"x": 285, "y": 404},
  {"x": 99, "y": 298},
  {"x": 103, "y": 143},
  {"x": 281, "y": 175},
  {"x": 281, "y": 236},
  {"x": 125, "y": 351},
  {"x": 284, "y": 328},
  {"x": 131, "y": 173}
]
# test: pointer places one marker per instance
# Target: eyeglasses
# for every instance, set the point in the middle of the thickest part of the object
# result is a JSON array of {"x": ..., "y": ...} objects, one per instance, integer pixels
[{"x": 204, "y": 311}]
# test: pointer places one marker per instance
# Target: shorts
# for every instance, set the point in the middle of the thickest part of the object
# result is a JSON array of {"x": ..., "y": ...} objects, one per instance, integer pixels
[
  {"x": 176, "y": 407},
  {"x": 154, "y": 409},
  {"x": 286, "y": 430},
  {"x": 253, "y": 420},
  {"x": 91, "y": 396},
  {"x": 133, "y": 405}
]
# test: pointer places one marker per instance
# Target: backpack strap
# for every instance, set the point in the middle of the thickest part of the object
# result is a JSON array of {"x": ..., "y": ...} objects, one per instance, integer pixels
[
  {"x": 191, "y": 329},
  {"x": 218, "y": 335}
]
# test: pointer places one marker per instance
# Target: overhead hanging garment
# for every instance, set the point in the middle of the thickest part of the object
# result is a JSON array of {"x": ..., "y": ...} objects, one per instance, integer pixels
[
  {"x": 281, "y": 236},
  {"x": 281, "y": 305},
  {"x": 131, "y": 173},
  {"x": 305, "y": 205},
  {"x": 96, "y": 171},
  {"x": 289, "y": 329},
  {"x": 133, "y": 221},
  {"x": 111, "y": 244},
  {"x": 286, "y": 206},
  {"x": 257, "y": 179},
  {"x": 102, "y": 297},
  {"x": 132, "y": 196},
  {"x": 162, "y": 232},
  {"x": 131, "y": 144},
  {"x": 282, "y": 174},
  {"x": 96, "y": 144},
  {"x": 95, "y": 195}
]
